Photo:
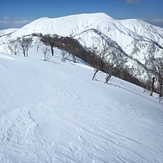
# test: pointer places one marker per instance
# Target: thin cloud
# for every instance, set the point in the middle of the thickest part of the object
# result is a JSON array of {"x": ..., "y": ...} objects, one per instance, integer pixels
[
  {"x": 7, "y": 22},
  {"x": 21, "y": 22},
  {"x": 6, "y": 18},
  {"x": 156, "y": 22}
]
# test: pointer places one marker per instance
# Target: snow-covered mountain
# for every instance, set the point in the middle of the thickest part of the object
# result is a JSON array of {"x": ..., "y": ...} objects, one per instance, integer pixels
[
  {"x": 53, "y": 112},
  {"x": 135, "y": 37},
  {"x": 7, "y": 31}
]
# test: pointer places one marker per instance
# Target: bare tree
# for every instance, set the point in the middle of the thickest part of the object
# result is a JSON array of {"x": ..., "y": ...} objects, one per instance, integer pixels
[
  {"x": 25, "y": 43},
  {"x": 155, "y": 67},
  {"x": 108, "y": 59},
  {"x": 102, "y": 53},
  {"x": 50, "y": 40},
  {"x": 46, "y": 52},
  {"x": 159, "y": 65},
  {"x": 39, "y": 44},
  {"x": 63, "y": 53},
  {"x": 73, "y": 58},
  {"x": 13, "y": 46},
  {"x": 115, "y": 61},
  {"x": 71, "y": 48}
]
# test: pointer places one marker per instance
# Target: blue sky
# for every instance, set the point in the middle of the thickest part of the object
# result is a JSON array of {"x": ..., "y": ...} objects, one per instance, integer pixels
[{"x": 16, "y": 13}]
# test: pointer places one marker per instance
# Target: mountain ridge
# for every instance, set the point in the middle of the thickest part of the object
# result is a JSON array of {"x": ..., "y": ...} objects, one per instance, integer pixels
[
  {"x": 135, "y": 37},
  {"x": 88, "y": 19}
]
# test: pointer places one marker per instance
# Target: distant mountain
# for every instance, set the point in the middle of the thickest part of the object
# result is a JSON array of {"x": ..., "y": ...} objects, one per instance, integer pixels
[
  {"x": 134, "y": 38},
  {"x": 7, "y": 31}
]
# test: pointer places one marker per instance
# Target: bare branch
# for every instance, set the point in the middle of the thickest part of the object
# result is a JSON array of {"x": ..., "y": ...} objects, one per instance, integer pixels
[
  {"x": 25, "y": 43},
  {"x": 13, "y": 46},
  {"x": 46, "y": 52}
]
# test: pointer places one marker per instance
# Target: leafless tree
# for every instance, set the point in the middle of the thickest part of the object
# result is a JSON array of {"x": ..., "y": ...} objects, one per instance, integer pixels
[
  {"x": 63, "y": 53},
  {"x": 25, "y": 43},
  {"x": 71, "y": 47},
  {"x": 46, "y": 52},
  {"x": 50, "y": 40},
  {"x": 115, "y": 61},
  {"x": 39, "y": 44},
  {"x": 73, "y": 58},
  {"x": 159, "y": 65},
  {"x": 108, "y": 58},
  {"x": 102, "y": 53},
  {"x": 155, "y": 67},
  {"x": 13, "y": 46},
  {"x": 152, "y": 86}
]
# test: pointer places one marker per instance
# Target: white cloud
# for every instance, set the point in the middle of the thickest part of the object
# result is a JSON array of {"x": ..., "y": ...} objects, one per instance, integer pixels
[
  {"x": 7, "y": 22},
  {"x": 157, "y": 20},
  {"x": 6, "y": 18},
  {"x": 21, "y": 22}
]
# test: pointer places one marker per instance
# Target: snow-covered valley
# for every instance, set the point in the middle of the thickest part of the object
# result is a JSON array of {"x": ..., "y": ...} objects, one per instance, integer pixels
[{"x": 53, "y": 112}]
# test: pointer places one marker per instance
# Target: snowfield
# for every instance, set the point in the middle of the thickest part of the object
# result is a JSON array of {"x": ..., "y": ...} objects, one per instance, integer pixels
[{"x": 53, "y": 112}]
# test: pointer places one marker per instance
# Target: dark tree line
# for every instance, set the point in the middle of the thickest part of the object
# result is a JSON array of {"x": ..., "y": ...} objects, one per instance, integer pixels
[
  {"x": 105, "y": 59},
  {"x": 97, "y": 59}
]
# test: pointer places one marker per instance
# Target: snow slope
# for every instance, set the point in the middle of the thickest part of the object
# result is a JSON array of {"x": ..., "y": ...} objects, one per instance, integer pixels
[
  {"x": 53, "y": 112},
  {"x": 146, "y": 30}
]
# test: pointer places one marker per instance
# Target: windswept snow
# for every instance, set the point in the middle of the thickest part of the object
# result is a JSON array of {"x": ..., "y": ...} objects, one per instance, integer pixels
[{"x": 53, "y": 112}]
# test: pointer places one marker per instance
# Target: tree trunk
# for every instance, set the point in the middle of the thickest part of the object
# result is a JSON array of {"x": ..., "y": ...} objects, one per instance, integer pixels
[
  {"x": 107, "y": 78},
  {"x": 52, "y": 50},
  {"x": 27, "y": 53},
  {"x": 160, "y": 90},
  {"x": 94, "y": 74},
  {"x": 161, "y": 83},
  {"x": 24, "y": 52},
  {"x": 152, "y": 86},
  {"x": 74, "y": 59}
]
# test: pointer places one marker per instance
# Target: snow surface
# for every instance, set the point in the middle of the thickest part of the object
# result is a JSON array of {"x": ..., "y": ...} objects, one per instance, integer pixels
[{"x": 53, "y": 112}]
